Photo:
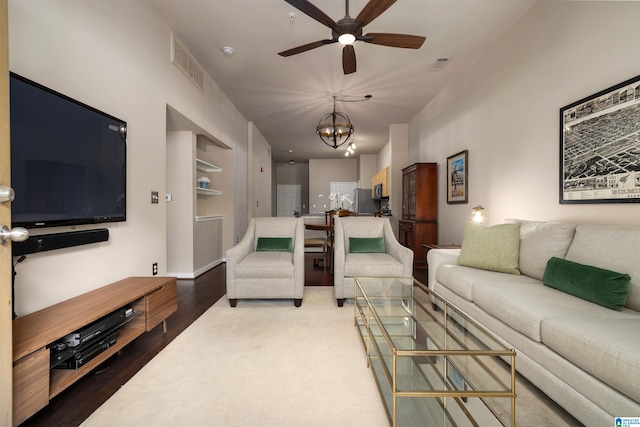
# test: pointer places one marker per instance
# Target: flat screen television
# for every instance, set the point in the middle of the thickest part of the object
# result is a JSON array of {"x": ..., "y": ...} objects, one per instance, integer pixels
[{"x": 68, "y": 160}]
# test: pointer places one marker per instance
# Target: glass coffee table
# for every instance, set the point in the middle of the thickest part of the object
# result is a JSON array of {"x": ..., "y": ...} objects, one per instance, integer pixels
[{"x": 433, "y": 365}]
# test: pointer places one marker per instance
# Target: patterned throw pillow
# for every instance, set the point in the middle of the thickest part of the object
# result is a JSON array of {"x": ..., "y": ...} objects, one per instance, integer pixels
[{"x": 493, "y": 248}]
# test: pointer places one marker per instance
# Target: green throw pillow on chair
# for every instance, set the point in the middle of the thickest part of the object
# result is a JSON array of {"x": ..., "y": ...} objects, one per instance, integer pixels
[
  {"x": 275, "y": 244},
  {"x": 366, "y": 244}
]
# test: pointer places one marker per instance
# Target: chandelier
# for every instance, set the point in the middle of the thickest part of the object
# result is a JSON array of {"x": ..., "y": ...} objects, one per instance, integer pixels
[{"x": 335, "y": 128}]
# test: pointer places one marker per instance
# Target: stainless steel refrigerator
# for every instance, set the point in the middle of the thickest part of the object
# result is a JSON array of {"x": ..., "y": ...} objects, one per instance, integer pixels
[{"x": 363, "y": 201}]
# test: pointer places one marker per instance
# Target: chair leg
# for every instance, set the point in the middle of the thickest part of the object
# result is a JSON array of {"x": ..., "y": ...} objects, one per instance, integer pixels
[
  {"x": 340, "y": 302},
  {"x": 233, "y": 302},
  {"x": 297, "y": 302}
]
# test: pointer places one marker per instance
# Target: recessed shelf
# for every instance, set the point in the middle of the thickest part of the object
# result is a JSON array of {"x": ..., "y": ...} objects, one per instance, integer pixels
[
  {"x": 208, "y": 191},
  {"x": 207, "y": 167}
]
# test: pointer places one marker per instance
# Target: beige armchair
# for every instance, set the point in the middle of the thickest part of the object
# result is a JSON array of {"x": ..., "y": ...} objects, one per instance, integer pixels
[
  {"x": 267, "y": 271},
  {"x": 391, "y": 260}
]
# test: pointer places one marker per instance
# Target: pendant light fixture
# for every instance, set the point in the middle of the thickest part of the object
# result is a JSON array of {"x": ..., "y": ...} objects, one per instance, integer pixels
[{"x": 335, "y": 128}]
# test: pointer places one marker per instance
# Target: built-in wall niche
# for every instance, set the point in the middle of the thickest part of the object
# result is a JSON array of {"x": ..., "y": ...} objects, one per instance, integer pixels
[
  {"x": 207, "y": 160},
  {"x": 199, "y": 220}
]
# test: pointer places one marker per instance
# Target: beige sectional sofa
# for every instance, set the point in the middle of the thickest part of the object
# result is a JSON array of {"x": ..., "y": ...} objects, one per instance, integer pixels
[{"x": 584, "y": 356}]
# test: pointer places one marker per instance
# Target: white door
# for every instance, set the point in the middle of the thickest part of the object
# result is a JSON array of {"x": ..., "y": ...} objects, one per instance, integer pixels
[
  {"x": 342, "y": 189},
  {"x": 288, "y": 200}
]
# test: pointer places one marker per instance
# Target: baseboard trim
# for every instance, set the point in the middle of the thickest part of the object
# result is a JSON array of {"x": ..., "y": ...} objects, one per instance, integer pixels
[{"x": 198, "y": 272}]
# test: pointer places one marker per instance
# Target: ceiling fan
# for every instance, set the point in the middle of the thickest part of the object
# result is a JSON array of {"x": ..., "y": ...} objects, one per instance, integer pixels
[{"x": 348, "y": 30}]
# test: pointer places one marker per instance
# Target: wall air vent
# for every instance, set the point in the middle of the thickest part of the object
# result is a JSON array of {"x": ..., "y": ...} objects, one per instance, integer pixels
[
  {"x": 186, "y": 62},
  {"x": 439, "y": 64}
]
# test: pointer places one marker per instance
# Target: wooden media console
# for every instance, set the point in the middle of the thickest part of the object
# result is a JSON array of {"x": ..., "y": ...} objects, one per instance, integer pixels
[{"x": 34, "y": 383}]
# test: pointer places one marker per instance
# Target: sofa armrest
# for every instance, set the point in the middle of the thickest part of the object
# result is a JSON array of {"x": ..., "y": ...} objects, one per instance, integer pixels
[
  {"x": 243, "y": 248},
  {"x": 396, "y": 250},
  {"x": 298, "y": 259},
  {"x": 438, "y": 257},
  {"x": 338, "y": 250}
]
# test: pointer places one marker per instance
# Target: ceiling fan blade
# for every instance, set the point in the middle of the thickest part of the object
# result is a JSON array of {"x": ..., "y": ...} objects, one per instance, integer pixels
[
  {"x": 348, "y": 59},
  {"x": 394, "y": 40},
  {"x": 312, "y": 11},
  {"x": 306, "y": 47},
  {"x": 372, "y": 10}
]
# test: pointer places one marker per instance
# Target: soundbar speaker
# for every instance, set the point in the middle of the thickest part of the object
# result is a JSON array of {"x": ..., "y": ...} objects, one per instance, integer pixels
[{"x": 49, "y": 242}]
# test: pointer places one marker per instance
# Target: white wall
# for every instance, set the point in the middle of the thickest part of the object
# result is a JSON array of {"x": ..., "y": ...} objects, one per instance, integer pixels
[
  {"x": 322, "y": 172},
  {"x": 399, "y": 147},
  {"x": 366, "y": 169},
  {"x": 505, "y": 111},
  {"x": 181, "y": 150},
  {"x": 261, "y": 171},
  {"x": 114, "y": 56}
]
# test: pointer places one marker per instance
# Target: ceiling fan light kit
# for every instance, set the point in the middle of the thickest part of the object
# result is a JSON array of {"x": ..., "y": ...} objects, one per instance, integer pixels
[
  {"x": 346, "y": 39},
  {"x": 348, "y": 30}
]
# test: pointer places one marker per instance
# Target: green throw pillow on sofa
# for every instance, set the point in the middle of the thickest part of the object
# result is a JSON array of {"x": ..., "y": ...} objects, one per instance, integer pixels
[
  {"x": 493, "y": 248},
  {"x": 604, "y": 287},
  {"x": 366, "y": 244},
  {"x": 275, "y": 244}
]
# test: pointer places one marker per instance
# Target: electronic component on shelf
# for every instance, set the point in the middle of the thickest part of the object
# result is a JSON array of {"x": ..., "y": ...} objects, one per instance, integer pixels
[{"x": 77, "y": 348}]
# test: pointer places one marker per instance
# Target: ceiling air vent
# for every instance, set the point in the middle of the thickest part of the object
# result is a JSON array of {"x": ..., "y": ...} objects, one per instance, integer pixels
[
  {"x": 186, "y": 62},
  {"x": 439, "y": 64}
]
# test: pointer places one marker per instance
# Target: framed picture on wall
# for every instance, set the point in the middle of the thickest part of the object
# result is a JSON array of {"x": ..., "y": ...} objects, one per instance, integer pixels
[
  {"x": 457, "y": 178},
  {"x": 600, "y": 147}
]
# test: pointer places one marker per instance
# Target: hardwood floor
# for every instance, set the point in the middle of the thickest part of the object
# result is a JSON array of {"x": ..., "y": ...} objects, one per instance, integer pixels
[{"x": 75, "y": 404}]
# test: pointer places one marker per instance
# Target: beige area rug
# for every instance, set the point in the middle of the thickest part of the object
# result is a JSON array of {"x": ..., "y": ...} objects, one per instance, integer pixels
[
  {"x": 263, "y": 363},
  {"x": 268, "y": 363}
]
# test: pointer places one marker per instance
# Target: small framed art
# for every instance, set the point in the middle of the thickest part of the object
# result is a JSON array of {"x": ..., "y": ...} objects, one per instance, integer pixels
[{"x": 458, "y": 178}]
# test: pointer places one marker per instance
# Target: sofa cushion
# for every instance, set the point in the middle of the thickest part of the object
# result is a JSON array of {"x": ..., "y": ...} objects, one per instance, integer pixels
[
  {"x": 460, "y": 279},
  {"x": 540, "y": 241},
  {"x": 607, "y": 349},
  {"x": 372, "y": 265},
  {"x": 491, "y": 248},
  {"x": 275, "y": 244},
  {"x": 605, "y": 287},
  {"x": 366, "y": 244},
  {"x": 266, "y": 265},
  {"x": 524, "y": 306},
  {"x": 614, "y": 248}
]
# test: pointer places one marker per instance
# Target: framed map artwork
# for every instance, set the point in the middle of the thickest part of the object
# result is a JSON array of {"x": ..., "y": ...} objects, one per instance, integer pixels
[{"x": 600, "y": 147}]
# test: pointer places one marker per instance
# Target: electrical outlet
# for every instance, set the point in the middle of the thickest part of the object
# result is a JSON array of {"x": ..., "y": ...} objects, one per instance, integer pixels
[{"x": 155, "y": 268}]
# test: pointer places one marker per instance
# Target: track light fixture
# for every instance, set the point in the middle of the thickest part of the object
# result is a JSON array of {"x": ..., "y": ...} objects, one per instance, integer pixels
[{"x": 351, "y": 149}]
